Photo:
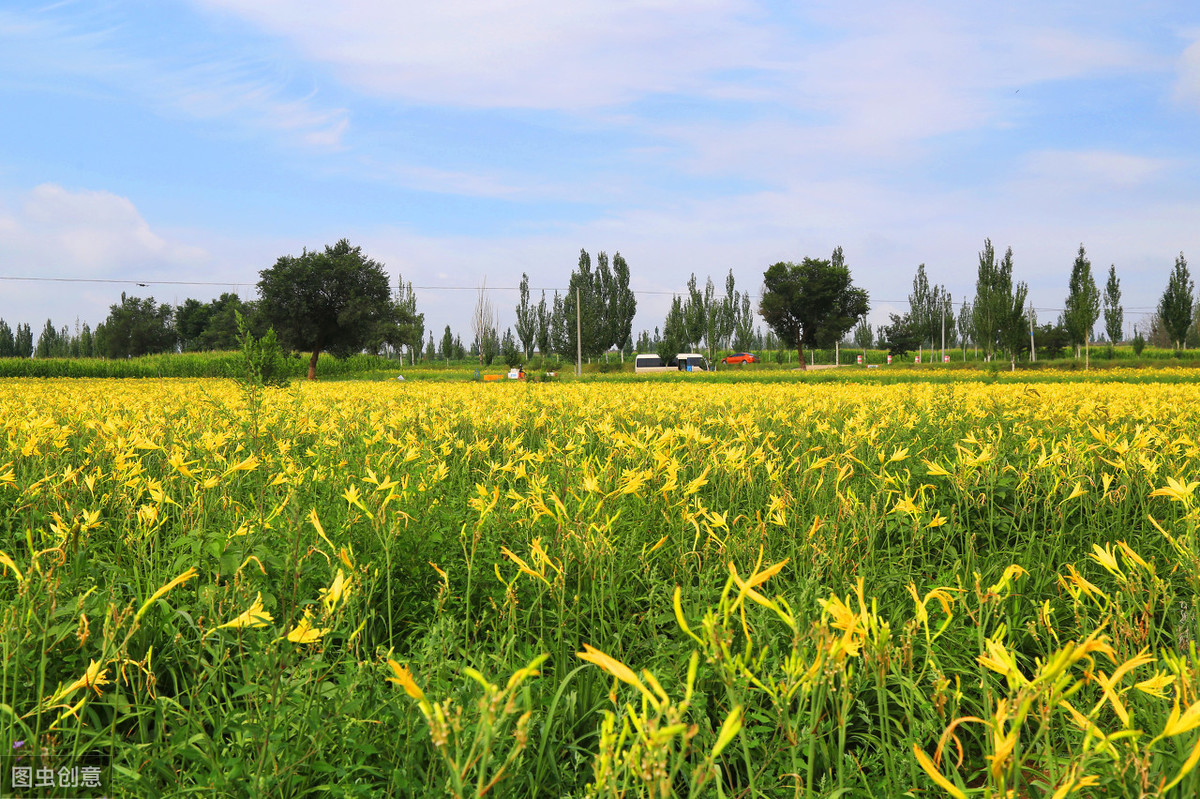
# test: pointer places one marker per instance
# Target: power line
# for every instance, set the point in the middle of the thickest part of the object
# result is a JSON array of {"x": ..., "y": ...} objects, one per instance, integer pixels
[
  {"x": 145, "y": 283},
  {"x": 142, "y": 283}
]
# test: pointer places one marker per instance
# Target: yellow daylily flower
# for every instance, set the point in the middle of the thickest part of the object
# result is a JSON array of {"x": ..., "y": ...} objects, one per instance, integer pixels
[
  {"x": 254, "y": 616},
  {"x": 332, "y": 596},
  {"x": 404, "y": 679},
  {"x": 1177, "y": 491},
  {"x": 304, "y": 632}
]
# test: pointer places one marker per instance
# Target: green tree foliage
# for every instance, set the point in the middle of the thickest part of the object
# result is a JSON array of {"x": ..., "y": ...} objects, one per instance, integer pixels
[
  {"x": 992, "y": 311},
  {"x": 920, "y": 307},
  {"x": 54, "y": 342},
  {"x": 965, "y": 325},
  {"x": 901, "y": 336},
  {"x": 1083, "y": 302},
  {"x": 606, "y": 303},
  {"x": 582, "y": 311},
  {"x": 483, "y": 328},
  {"x": 406, "y": 328},
  {"x": 645, "y": 342},
  {"x": 744, "y": 337},
  {"x": 811, "y": 304},
  {"x": 727, "y": 316},
  {"x": 203, "y": 327},
  {"x": 23, "y": 340},
  {"x": 448, "y": 350},
  {"x": 490, "y": 346},
  {"x": 931, "y": 311},
  {"x": 1114, "y": 314},
  {"x": 694, "y": 315},
  {"x": 1014, "y": 320},
  {"x": 138, "y": 327},
  {"x": 527, "y": 318},
  {"x": 8, "y": 343},
  {"x": 864, "y": 336},
  {"x": 712, "y": 308},
  {"x": 622, "y": 306},
  {"x": 335, "y": 301},
  {"x": 263, "y": 358},
  {"x": 1175, "y": 307},
  {"x": 87, "y": 345},
  {"x": 1051, "y": 339},
  {"x": 46, "y": 342},
  {"x": 544, "y": 313},
  {"x": 509, "y": 350},
  {"x": 560, "y": 342},
  {"x": 674, "y": 332}
]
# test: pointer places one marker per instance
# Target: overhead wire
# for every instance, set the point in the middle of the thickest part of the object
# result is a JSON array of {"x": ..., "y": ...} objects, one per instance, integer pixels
[{"x": 147, "y": 282}]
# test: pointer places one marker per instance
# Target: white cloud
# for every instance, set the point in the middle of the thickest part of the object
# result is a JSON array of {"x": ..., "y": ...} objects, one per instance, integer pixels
[
  {"x": 68, "y": 232},
  {"x": 1187, "y": 85},
  {"x": 54, "y": 232},
  {"x": 38, "y": 50},
  {"x": 521, "y": 54},
  {"x": 1091, "y": 170}
]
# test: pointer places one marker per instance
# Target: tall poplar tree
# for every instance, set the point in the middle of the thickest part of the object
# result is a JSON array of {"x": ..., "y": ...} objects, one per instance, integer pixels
[
  {"x": 694, "y": 317},
  {"x": 622, "y": 306},
  {"x": 743, "y": 327},
  {"x": 1083, "y": 302},
  {"x": 527, "y": 322},
  {"x": 674, "y": 331},
  {"x": 448, "y": 348},
  {"x": 23, "y": 341},
  {"x": 1175, "y": 307},
  {"x": 543, "y": 326},
  {"x": 985, "y": 310},
  {"x": 1114, "y": 314},
  {"x": 920, "y": 308},
  {"x": 8, "y": 343}
]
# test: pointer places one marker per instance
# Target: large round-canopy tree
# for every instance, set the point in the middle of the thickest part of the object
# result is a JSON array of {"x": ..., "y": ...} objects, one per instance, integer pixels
[
  {"x": 812, "y": 303},
  {"x": 337, "y": 301}
]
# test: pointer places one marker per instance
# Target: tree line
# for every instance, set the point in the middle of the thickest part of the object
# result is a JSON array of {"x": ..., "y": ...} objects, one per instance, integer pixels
[{"x": 338, "y": 300}]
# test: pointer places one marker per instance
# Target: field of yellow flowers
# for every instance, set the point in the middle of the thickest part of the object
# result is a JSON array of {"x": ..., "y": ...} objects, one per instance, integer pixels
[{"x": 605, "y": 589}]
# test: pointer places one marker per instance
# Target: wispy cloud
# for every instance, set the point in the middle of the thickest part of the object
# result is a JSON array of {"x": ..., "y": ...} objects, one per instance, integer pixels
[
  {"x": 1093, "y": 170},
  {"x": 524, "y": 54},
  {"x": 1187, "y": 85},
  {"x": 55, "y": 232},
  {"x": 63, "y": 232},
  {"x": 67, "y": 52}
]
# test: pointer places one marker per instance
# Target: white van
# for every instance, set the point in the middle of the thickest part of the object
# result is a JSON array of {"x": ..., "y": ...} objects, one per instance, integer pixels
[{"x": 683, "y": 362}]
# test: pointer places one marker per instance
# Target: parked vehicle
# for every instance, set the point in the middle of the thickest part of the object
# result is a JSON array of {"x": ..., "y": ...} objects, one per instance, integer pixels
[
  {"x": 683, "y": 362},
  {"x": 739, "y": 358}
]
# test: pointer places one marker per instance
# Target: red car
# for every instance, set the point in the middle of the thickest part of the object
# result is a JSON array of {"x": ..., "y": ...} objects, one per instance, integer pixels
[{"x": 740, "y": 357}]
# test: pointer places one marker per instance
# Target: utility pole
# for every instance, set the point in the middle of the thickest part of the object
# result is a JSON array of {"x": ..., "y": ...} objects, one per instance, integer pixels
[
  {"x": 578, "y": 336},
  {"x": 1032, "y": 348},
  {"x": 943, "y": 332}
]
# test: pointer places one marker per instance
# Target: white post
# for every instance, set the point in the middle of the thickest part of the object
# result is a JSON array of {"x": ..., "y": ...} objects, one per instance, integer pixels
[
  {"x": 1032, "y": 348},
  {"x": 578, "y": 336}
]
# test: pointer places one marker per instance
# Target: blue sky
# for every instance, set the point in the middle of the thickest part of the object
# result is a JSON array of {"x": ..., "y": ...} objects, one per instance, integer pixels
[{"x": 466, "y": 140}]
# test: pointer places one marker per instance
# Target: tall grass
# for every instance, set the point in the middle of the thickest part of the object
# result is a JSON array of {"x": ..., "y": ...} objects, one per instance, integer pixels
[
  {"x": 200, "y": 364},
  {"x": 614, "y": 589}
]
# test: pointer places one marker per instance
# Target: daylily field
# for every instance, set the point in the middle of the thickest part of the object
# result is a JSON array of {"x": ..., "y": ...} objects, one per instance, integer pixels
[{"x": 619, "y": 589}]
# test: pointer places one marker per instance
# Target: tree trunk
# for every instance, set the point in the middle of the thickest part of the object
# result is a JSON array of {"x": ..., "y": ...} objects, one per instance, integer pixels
[
  {"x": 800, "y": 352},
  {"x": 312, "y": 365}
]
